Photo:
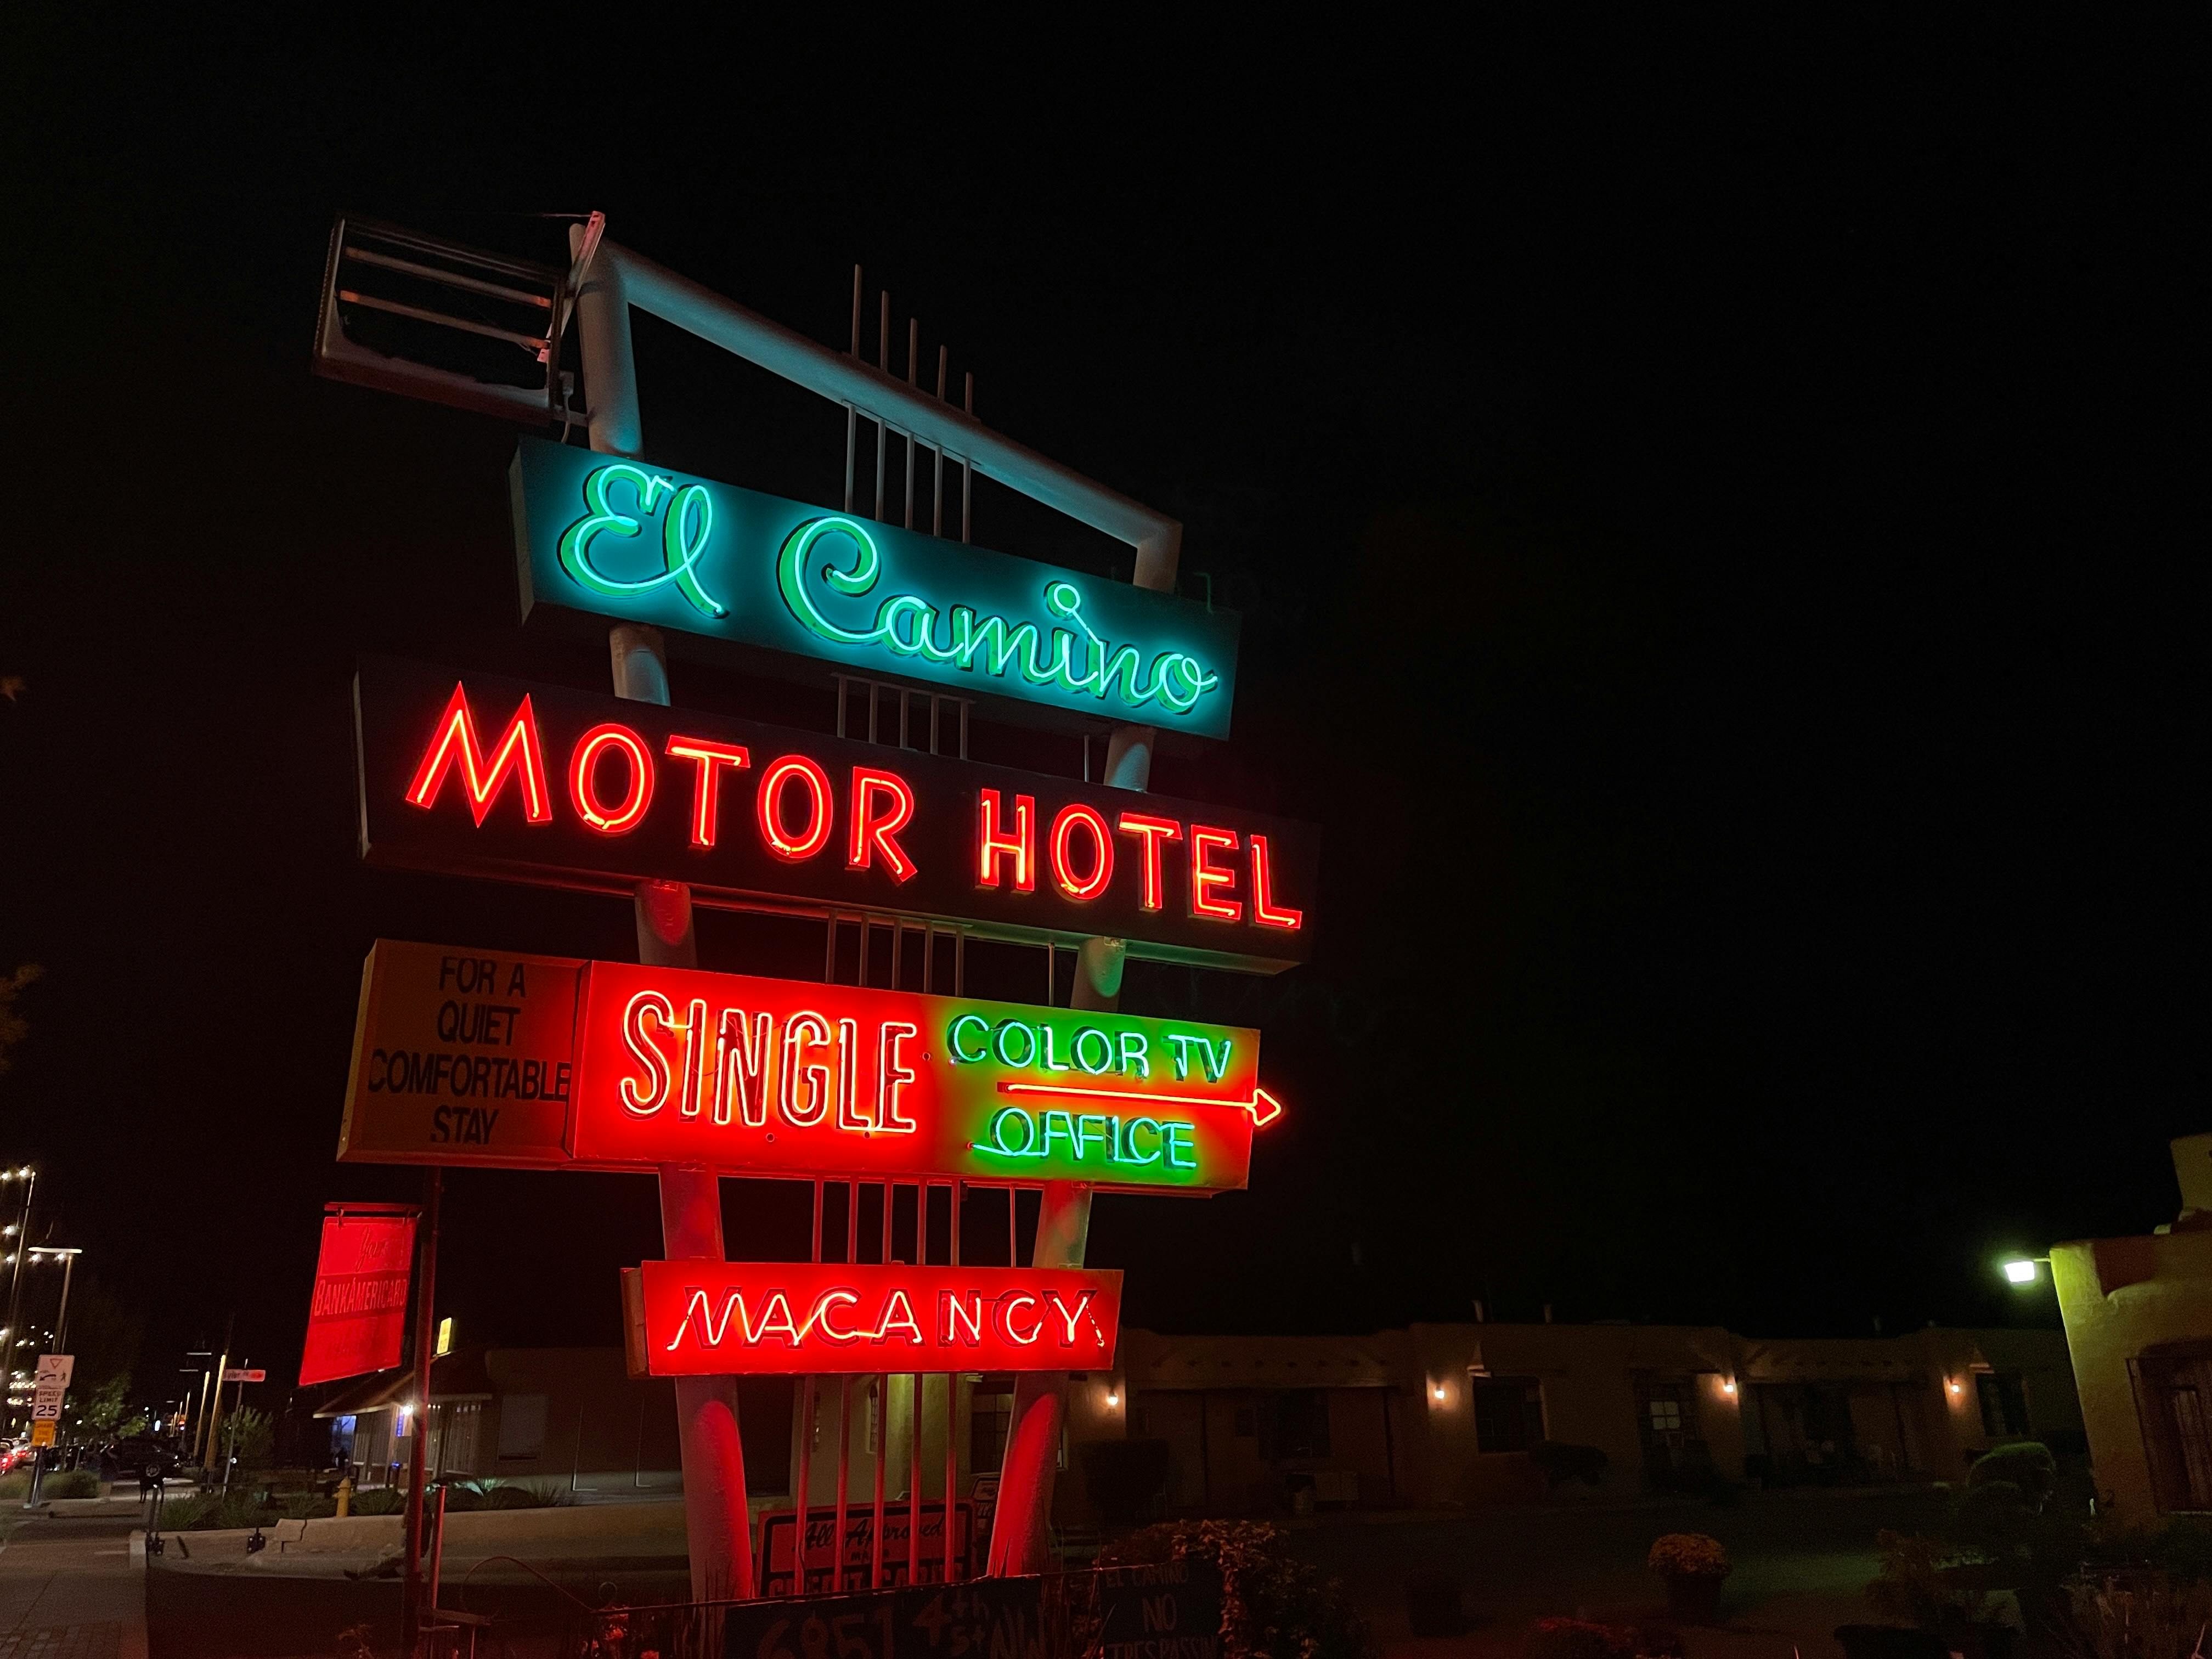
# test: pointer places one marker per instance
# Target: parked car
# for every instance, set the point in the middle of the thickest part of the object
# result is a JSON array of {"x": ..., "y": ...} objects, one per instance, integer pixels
[{"x": 136, "y": 1453}]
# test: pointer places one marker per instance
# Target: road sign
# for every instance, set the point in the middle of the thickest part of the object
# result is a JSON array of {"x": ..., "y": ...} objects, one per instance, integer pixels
[
  {"x": 46, "y": 1402},
  {"x": 612, "y": 538},
  {"x": 238, "y": 1374},
  {"x": 477, "y": 775},
  {"x": 42, "y": 1432},
  {"x": 721, "y": 1318},
  {"x": 55, "y": 1368}
]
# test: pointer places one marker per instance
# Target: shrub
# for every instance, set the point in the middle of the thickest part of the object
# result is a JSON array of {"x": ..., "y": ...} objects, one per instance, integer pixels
[
  {"x": 15, "y": 1484},
  {"x": 214, "y": 1512},
  {"x": 1689, "y": 1555},
  {"x": 1581, "y": 1638},
  {"x": 380, "y": 1500},
  {"x": 1272, "y": 1606},
  {"x": 2142, "y": 1615},
  {"x": 2027, "y": 1465},
  {"x": 1920, "y": 1582},
  {"x": 72, "y": 1483},
  {"x": 1561, "y": 1462}
]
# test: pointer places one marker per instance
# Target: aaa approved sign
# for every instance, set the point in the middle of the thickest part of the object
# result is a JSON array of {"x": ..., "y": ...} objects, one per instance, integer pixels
[{"x": 461, "y": 1057}]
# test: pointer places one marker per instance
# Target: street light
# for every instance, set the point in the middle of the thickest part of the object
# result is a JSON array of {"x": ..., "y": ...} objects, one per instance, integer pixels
[
  {"x": 69, "y": 1254},
  {"x": 2020, "y": 1269}
]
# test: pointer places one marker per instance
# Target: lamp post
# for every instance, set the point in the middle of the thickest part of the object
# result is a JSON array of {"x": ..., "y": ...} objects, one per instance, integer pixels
[
  {"x": 69, "y": 1253},
  {"x": 17, "y": 1231},
  {"x": 2020, "y": 1269}
]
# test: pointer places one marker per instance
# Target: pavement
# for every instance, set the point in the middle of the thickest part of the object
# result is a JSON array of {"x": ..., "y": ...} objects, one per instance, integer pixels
[{"x": 67, "y": 1589}]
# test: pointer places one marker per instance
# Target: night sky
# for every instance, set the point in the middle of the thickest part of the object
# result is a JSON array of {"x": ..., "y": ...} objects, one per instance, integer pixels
[{"x": 1697, "y": 499}]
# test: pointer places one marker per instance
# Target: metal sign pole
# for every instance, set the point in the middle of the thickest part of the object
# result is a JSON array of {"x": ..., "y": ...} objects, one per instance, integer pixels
[{"x": 716, "y": 1522}]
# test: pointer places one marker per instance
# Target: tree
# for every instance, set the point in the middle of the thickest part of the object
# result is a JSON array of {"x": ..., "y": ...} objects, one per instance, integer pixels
[{"x": 13, "y": 1028}]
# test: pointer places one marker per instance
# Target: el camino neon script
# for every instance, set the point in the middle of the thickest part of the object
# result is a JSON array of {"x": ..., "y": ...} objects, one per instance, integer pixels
[
  {"x": 479, "y": 777},
  {"x": 617, "y": 538},
  {"x": 707, "y": 1318},
  {"x": 749, "y": 1075}
]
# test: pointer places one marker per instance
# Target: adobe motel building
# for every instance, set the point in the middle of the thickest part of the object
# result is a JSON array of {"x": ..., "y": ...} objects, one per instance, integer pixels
[
  {"x": 2138, "y": 1313},
  {"x": 1430, "y": 1415}
]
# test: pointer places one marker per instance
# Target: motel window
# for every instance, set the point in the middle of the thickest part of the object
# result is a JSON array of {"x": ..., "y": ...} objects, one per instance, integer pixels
[
  {"x": 1296, "y": 1425},
  {"x": 1509, "y": 1412},
  {"x": 990, "y": 1419},
  {"x": 521, "y": 1426},
  {"x": 1666, "y": 1416},
  {"x": 2003, "y": 1397}
]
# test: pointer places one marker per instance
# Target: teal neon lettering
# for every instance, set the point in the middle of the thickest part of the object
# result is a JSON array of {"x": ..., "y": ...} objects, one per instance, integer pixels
[
  {"x": 1136, "y": 1054},
  {"x": 1084, "y": 1135},
  {"x": 1176, "y": 1137},
  {"x": 1056, "y": 1118},
  {"x": 1137, "y": 1123},
  {"x": 1215, "y": 1067},
  {"x": 1105, "y": 1046},
  {"x": 906, "y": 624},
  {"x": 684, "y": 530},
  {"x": 961, "y": 1056},
  {"x": 1181, "y": 1042},
  {"x": 998, "y": 1044},
  {"x": 1000, "y": 1120},
  {"x": 1051, "y": 1060}
]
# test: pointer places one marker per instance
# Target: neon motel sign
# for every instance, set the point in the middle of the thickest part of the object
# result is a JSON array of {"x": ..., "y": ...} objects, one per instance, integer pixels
[
  {"x": 624, "y": 1067},
  {"x": 614, "y": 538},
  {"x": 478, "y": 776},
  {"x": 709, "y": 1318}
]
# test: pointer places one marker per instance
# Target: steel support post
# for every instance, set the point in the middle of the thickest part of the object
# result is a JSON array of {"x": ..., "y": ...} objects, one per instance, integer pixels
[
  {"x": 716, "y": 1521},
  {"x": 1020, "y": 1539}
]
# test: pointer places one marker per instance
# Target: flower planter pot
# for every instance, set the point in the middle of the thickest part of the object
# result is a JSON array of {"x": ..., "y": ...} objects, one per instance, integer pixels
[{"x": 1694, "y": 1599}]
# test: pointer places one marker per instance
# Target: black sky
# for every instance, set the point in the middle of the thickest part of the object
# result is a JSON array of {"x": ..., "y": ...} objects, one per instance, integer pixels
[{"x": 1699, "y": 496}]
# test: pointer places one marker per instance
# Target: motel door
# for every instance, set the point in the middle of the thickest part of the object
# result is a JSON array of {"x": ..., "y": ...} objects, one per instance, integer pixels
[{"x": 2174, "y": 1399}]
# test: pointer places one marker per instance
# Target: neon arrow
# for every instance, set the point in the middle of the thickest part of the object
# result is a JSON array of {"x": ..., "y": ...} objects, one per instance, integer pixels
[{"x": 1264, "y": 1107}]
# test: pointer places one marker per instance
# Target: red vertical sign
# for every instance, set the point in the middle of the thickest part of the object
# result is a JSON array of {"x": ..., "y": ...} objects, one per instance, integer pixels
[{"x": 358, "y": 1318}]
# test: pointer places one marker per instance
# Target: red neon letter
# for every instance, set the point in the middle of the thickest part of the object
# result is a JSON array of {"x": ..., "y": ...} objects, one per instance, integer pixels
[
  {"x": 805, "y": 1028},
  {"x": 1204, "y": 878},
  {"x": 873, "y": 834},
  {"x": 819, "y": 1319},
  {"x": 745, "y": 1045},
  {"x": 1263, "y": 891},
  {"x": 1002, "y": 1315},
  {"x": 993, "y": 843},
  {"x": 645, "y": 1101},
  {"x": 769, "y": 806},
  {"x": 456, "y": 744},
  {"x": 1072, "y": 818},
  {"x": 1151, "y": 832},
  {"x": 892, "y": 1075},
  {"x": 707, "y": 793},
  {"x": 583, "y": 782}
]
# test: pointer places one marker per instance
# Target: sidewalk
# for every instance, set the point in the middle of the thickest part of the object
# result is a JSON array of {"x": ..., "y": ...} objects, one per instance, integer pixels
[{"x": 68, "y": 1590}]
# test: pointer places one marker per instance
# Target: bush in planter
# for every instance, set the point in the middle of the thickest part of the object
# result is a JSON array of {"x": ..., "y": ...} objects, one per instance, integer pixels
[
  {"x": 1692, "y": 1565},
  {"x": 72, "y": 1483},
  {"x": 1273, "y": 1606}
]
